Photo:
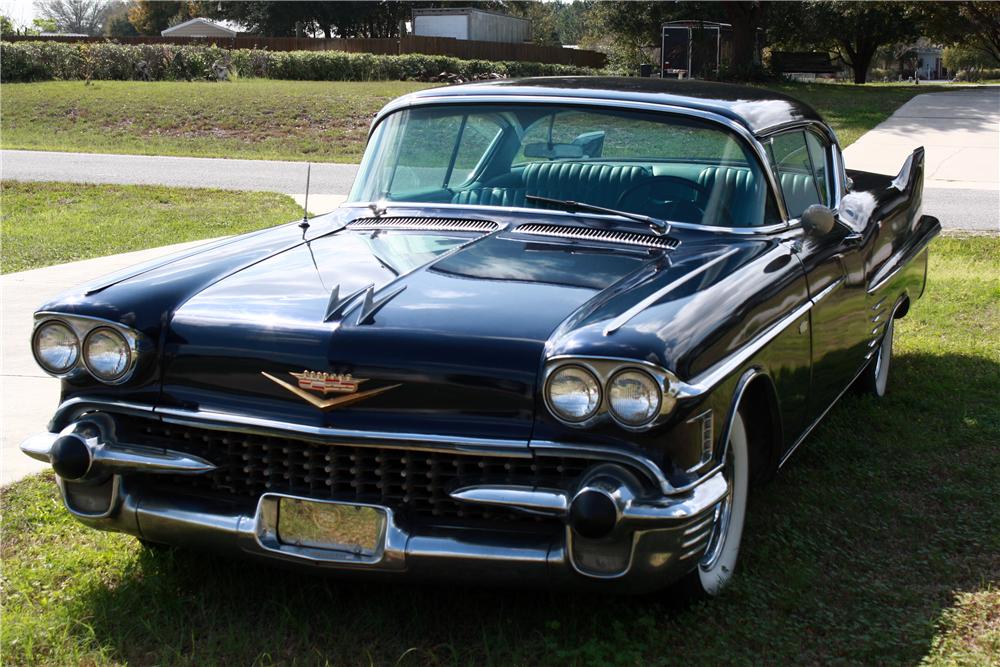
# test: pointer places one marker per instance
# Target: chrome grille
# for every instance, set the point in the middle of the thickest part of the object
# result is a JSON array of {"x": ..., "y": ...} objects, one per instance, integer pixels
[
  {"x": 589, "y": 234},
  {"x": 413, "y": 483},
  {"x": 428, "y": 224}
]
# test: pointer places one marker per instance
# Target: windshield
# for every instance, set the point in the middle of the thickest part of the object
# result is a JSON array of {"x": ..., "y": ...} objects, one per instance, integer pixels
[{"x": 654, "y": 164}]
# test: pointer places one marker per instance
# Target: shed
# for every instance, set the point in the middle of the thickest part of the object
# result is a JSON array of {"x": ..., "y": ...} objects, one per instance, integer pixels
[
  {"x": 472, "y": 24},
  {"x": 199, "y": 27}
]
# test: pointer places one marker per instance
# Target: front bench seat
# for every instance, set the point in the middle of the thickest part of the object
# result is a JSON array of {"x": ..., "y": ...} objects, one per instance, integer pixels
[
  {"x": 734, "y": 187},
  {"x": 490, "y": 197},
  {"x": 799, "y": 191},
  {"x": 594, "y": 183}
]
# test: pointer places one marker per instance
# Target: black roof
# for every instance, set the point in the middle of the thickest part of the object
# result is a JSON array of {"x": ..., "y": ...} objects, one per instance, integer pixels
[{"x": 757, "y": 109}]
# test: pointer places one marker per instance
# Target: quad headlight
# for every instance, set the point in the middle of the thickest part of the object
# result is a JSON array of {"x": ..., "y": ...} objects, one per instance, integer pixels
[
  {"x": 573, "y": 393},
  {"x": 634, "y": 397},
  {"x": 584, "y": 391},
  {"x": 69, "y": 346},
  {"x": 107, "y": 354},
  {"x": 56, "y": 347}
]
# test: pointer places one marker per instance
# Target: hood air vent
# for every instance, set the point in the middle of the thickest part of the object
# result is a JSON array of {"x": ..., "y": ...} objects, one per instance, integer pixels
[
  {"x": 425, "y": 224},
  {"x": 588, "y": 234}
]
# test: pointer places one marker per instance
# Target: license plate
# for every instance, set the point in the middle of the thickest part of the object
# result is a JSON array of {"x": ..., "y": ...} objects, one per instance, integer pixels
[{"x": 355, "y": 529}]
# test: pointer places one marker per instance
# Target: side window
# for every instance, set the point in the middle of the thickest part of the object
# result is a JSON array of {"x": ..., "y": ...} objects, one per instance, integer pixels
[
  {"x": 477, "y": 137},
  {"x": 818, "y": 155},
  {"x": 793, "y": 166},
  {"x": 416, "y": 170},
  {"x": 464, "y": 139}
]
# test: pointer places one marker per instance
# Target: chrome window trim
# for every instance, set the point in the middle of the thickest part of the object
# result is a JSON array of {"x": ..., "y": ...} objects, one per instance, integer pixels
[
  {"x": 83, "y": 326},
  {"x": 749, "y": 137}
]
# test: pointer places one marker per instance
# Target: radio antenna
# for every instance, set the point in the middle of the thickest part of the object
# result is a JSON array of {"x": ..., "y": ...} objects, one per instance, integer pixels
[{"x": 305, "y": 206}]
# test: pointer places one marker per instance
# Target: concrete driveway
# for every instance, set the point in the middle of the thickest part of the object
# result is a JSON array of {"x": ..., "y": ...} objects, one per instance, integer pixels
[
  {"x": 28, "y": 396},
  {"x": 960, "y": 132}
]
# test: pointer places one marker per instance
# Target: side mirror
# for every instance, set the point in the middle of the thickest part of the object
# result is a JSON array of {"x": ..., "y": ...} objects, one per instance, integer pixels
[{"x": 818, "y": 219}]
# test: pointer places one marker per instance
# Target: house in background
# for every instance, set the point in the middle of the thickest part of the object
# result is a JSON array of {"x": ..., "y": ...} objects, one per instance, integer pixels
[
  {"x": 199, "y": 27},
  {"x": 472, "y": 24},
  {"x": 929, "y": 64}
]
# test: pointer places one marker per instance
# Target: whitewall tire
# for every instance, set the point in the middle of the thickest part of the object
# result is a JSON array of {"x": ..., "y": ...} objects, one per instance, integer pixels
[{"x": 716, "y": 567}]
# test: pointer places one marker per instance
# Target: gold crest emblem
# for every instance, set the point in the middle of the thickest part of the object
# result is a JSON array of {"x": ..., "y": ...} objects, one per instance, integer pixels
[{"x": 328, "y": 383}]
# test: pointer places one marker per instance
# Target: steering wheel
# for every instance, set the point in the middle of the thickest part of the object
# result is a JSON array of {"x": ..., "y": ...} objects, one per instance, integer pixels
[{"x": 673, "y": 209}]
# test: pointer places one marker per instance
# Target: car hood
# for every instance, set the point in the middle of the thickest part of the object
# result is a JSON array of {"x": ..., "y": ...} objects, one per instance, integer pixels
[{"x": 449, "y": 339}]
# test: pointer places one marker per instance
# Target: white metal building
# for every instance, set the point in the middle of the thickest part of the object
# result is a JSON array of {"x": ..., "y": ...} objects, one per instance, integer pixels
[{"x": 469, "y": 23}]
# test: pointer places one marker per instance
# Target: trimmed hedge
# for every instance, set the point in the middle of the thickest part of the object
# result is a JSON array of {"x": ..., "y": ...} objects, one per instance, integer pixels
[{"x": 44, "y": 61}]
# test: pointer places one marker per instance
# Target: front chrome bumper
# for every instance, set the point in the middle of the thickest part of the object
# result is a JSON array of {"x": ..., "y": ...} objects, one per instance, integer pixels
[{"x": 652, "y": 542}]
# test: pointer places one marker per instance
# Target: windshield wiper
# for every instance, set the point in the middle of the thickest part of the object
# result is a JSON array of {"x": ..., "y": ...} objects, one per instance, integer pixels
[{"x": 658, "y": 226}]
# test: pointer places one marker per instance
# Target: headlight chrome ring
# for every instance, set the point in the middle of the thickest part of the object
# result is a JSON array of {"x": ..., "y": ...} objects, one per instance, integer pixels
[
  {"x": 108, "y": 355},
  {"x": 573, "y": 393},
  {"x": 634, "y": 397},
  {"x": 56, "y": 347}
]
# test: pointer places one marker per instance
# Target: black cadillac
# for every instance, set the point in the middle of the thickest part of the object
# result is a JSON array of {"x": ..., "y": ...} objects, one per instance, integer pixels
[{"x": 556, "y": 332}]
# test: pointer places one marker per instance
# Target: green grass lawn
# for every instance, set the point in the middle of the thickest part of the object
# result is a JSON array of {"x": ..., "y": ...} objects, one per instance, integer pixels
[
  {"x": 879, "y": 543},
  {"x": 320, "y": 121},
  {"x": 52, "y": 223},
  {"x": 288, "y": 120}
]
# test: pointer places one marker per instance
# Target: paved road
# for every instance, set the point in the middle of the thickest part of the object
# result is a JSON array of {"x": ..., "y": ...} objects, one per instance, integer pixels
[
  {"x": 960, "y": 132},
  {"x": 262, "y": 175}
]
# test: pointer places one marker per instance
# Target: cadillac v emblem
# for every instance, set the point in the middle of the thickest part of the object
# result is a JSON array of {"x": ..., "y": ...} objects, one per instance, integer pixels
[{"x": 327, "y": 383}]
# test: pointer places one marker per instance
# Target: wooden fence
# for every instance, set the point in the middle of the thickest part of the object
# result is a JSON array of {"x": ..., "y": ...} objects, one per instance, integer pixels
[{"x": 435, "y": 46}]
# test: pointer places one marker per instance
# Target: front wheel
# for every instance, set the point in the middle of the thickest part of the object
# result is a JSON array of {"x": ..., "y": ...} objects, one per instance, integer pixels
[{"x": 715, "y": 569}]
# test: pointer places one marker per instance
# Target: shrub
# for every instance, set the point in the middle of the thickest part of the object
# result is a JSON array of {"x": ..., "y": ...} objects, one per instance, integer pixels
[
  {"x": 42, "y": 61},
  {"x": 978, "y": 74}
]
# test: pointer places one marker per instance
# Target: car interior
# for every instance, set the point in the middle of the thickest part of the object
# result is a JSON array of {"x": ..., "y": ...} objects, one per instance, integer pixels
[{"x": 677, "y": 170}]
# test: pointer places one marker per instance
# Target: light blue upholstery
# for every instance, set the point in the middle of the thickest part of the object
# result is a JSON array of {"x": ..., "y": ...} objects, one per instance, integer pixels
[
  {"x": 732, "y": 187},
  {"x": 800, "y": 192},
  {"x": 593, "y": 183}
]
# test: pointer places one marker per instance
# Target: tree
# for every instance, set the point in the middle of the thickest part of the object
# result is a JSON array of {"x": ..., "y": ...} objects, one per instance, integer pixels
[
  {"x": 151, "y": 17},
  {"x": 974, "y": 25},
  {"x": 43, "y": 25},
  {"x": 118, "y": 25},
  {"x": 7, "y": 26},
  {"x": 746, "y": 19},
  {"x": 957, "y": 58},
  {"x": 80, "y": 16},
  {"x": 852, "y": 30},
  {"x": 627, "y": 30}
]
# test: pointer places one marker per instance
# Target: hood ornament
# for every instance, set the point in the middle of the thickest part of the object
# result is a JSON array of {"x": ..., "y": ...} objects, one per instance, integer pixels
[{"x": 327, "y": 383}]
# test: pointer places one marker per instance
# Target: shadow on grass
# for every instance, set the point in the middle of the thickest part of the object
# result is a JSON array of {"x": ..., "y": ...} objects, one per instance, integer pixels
[{"x": 851, "y": 554}]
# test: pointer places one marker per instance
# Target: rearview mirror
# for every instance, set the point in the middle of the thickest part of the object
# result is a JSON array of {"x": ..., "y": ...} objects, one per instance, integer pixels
[{"x": 818, "y": 219}]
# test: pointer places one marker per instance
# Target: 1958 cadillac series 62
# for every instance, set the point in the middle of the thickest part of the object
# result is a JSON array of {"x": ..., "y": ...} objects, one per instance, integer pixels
[{"x": 556, "y": 332}]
